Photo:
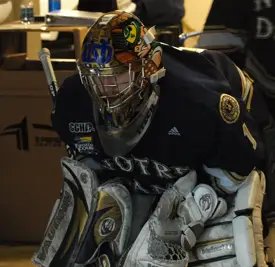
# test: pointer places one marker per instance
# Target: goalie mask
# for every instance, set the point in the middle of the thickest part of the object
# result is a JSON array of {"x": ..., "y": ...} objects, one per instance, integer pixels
[{"x": 120, "y": 67}]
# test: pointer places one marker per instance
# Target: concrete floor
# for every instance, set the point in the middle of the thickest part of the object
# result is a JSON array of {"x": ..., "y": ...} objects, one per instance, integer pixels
[{"x": 16, "y": 256}]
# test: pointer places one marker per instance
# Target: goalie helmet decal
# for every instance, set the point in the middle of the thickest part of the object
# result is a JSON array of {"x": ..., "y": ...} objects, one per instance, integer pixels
[{"x": 117, "y": 37}]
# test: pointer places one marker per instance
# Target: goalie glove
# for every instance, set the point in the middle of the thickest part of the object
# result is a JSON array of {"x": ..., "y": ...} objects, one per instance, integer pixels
[
  {"x": 175, "y": 225},
  {"x": 236, "y": 239}
]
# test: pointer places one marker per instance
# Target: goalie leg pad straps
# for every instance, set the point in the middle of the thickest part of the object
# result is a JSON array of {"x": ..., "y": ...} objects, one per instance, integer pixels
[
  {"x": 270, "y": 244},
  {"x": 250, "y": 198},
  {"x": 237, "y": 240},
  {"x": 244, "y": 240}
]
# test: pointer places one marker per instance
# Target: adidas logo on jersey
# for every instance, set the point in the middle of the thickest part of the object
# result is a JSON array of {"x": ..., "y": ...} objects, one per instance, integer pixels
[{"x": 174, "y": 131}]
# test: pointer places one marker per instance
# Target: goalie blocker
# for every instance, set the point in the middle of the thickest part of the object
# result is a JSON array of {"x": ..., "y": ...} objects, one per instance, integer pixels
[{"x": 236, "y": 239}]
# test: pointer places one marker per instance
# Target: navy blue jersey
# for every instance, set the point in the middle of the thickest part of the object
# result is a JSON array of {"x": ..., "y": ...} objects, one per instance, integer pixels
[{"x": 200, "y": 119}]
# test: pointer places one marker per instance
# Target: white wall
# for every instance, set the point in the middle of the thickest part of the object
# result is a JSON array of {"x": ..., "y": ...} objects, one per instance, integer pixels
[{"x": 5, "y": 10}]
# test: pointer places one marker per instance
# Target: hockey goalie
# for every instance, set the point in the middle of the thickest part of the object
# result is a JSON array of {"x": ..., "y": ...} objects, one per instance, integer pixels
[{"x": 167, "y": 159}]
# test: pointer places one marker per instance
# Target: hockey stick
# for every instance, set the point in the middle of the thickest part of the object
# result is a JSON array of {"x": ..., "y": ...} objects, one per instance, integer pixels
[
  {"x": 184, "y": 36},
  {"x": 45, "y": 58}
]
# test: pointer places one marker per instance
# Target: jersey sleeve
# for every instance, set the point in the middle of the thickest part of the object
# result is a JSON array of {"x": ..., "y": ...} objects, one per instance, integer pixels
[
  {"x": 241, "y": 84},
  {"x": 238, "y": 146},
  {"x": 73, "y": 109}
]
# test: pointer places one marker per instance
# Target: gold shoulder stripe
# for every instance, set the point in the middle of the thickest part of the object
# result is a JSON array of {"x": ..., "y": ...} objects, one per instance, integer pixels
[
  {"x": 250, "y": 82},
  {"x": 247, "y": 133},
  {"x": 243, "y": 82},
  {"x": 247, "y": 88}
]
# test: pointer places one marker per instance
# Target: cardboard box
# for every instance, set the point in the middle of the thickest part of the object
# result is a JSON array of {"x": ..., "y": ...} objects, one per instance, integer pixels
[{"x": 30, "y": 173}]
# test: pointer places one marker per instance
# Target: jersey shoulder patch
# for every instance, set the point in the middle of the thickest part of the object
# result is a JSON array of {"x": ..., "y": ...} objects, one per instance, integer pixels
[{"x": 229, "y": 108}]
